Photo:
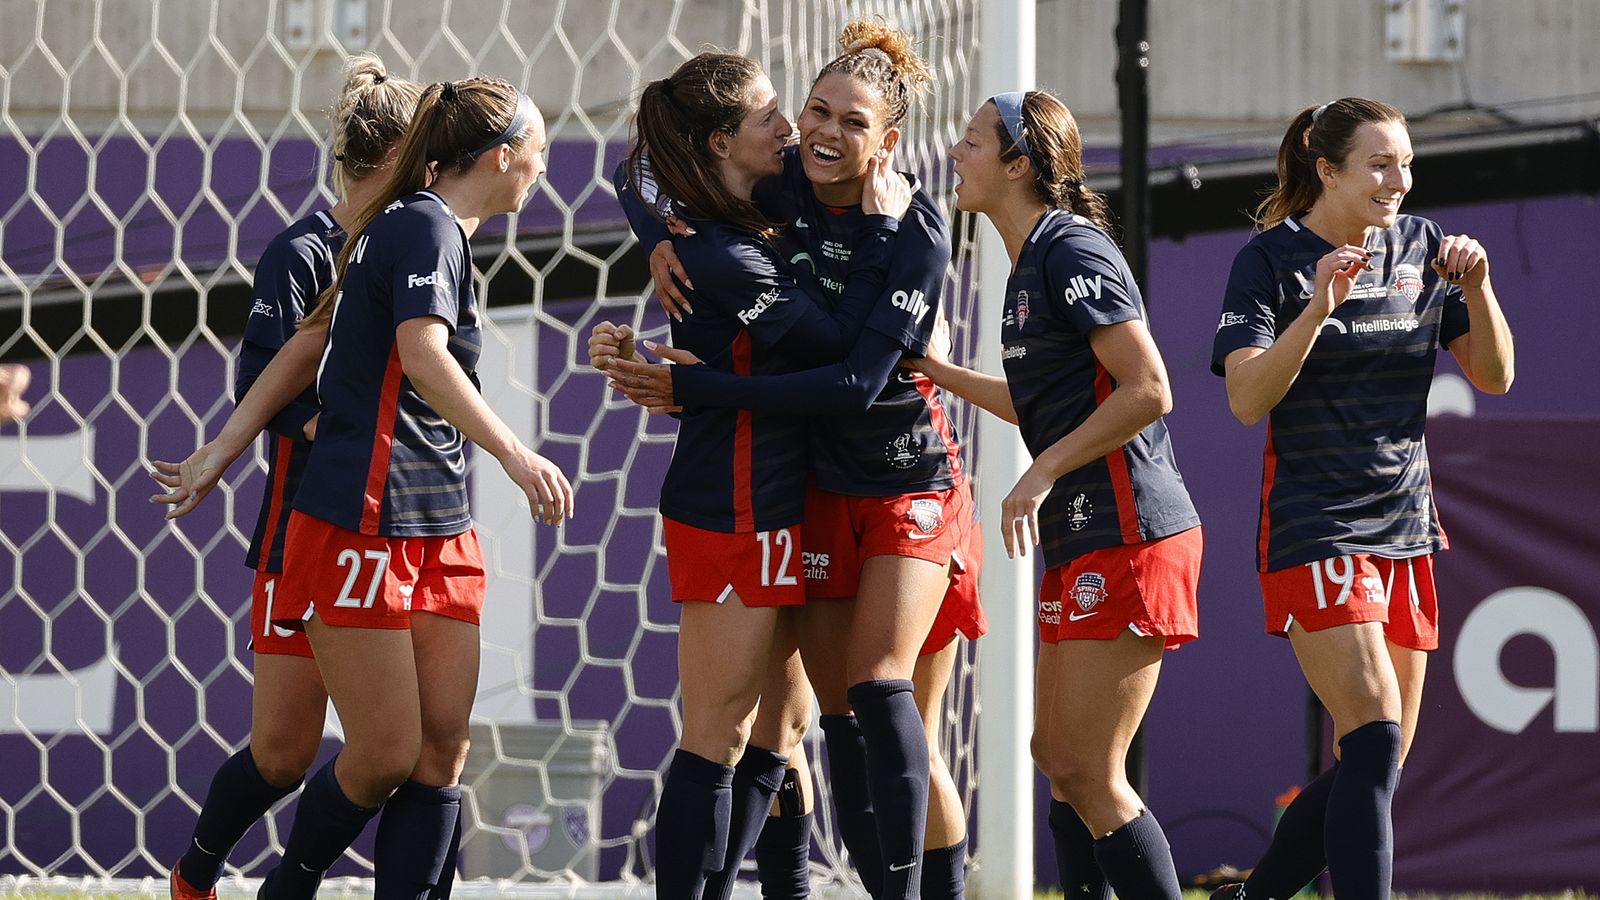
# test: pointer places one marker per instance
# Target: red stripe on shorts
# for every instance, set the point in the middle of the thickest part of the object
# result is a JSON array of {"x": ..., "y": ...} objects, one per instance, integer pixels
[
  {"x": 1117, "y": 466},
  {"x": 382, "y": 443}
]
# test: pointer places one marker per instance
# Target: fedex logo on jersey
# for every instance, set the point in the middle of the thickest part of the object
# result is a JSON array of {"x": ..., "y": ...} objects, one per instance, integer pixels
[
  {"x": 262, "y": 308},
  {"x": 1230, "y": 318},
  {"x": 762, "y": 304},
  {"x": 915, "y": 303},
  {"x": 435, "y": 279},
  {"x": 1080, "y": 288}
]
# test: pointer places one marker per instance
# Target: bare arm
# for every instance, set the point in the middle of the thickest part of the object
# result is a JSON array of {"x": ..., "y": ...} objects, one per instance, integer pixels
[
  {"x": 292, "y": 370},
  {"x": 1258, "y": 378},
  {"x": 423, "y": 343},
  {"x": 988, "y": 392},
  {"x": 1486, "y": 353},
  {"x": 1141, "y": 396}
]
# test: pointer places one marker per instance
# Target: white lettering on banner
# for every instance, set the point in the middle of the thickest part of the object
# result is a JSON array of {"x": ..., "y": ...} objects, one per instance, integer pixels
[
  {"x": 1080, "y": 287},
  {"x": 1560, "y": 623},
  {"x": 76, "y": 701},
  {"x": 915, "y": 303}
]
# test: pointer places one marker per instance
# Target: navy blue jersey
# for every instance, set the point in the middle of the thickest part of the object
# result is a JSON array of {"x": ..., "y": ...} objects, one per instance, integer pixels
[
  {"x": 905, "y": 441},
  {"x": 1346, "y": 470},
  {"x": 293, "y": 271},
  {"x": 1069, "y": 280},
  {"x": 384, "y": 462},
  {"x": 736, "y": 470}
]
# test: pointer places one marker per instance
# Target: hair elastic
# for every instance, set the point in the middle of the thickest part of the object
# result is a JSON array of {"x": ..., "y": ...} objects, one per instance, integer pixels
[
  {"x": 1010, "y": 106},
  {"x": 1317, "y": 113},
  {"x": 519, "y": 121},
  {"x": 380, "y": 78}
]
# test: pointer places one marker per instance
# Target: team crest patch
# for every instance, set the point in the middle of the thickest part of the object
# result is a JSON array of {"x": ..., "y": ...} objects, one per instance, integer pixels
[
  {"x": 1407, "y": 282},
  {"x": 1022, "y": 309},
  {"x": 1089, "y": 590},
  {"x": 900, "y": 454},
  {"x": 927, "y": 515},
  {"x": 1079, "y": 512}
]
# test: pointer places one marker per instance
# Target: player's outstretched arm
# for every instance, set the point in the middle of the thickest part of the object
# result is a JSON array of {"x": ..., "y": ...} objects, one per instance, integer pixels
[
  {"x": 987, "y": 392},
  {"x": 291, "y": 371},
  {"x": 13, "y": 384},
  {"x": 425, "y": 357}
]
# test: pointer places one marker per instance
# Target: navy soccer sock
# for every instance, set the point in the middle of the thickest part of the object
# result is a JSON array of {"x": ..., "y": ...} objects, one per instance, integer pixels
[
  {"x": 691, "y": 824},
  {"x": 756, "y": 779},
  {"x": 447, "y": 873},
  {"x": 325, "y": 824},
  {"x": 783, "y": 857},
  {"x": 237, "y": 798},
  {"x": 414, "y": 835},
  {"x": 1138, "y": 861},
  {"x": 847, "y": 775},
  {"x": 1296, "y": 856},
  {"x": 1358, "y": 833},
  {"x": 1081, "y": 878},
  {"x": 944, "y": 872},
  {"x": 897, "y": 777}
]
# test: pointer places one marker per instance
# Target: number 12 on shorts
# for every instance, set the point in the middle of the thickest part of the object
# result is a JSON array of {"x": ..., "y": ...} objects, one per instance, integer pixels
[
  {"x": 780, "y": 577},
  {"x": 350, "y": 558}
]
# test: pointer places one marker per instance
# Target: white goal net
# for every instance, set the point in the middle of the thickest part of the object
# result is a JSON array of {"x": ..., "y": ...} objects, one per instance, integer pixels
[{"x": 148, "y": 151}]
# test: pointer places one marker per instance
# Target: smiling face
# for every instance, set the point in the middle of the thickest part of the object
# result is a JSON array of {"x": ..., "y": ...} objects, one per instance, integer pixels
[
  {"x": 983, "y": 181},
  {"x": 842, "y": 126},
  {"x": 755, "y": 150},
  {"x": 1366, "y": 189}
]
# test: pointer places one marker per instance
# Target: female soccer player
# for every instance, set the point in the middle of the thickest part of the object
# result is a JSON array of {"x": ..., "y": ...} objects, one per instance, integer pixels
[
  {"x": 1121, "y": 541},
  {"x": 733, "y": 495},
  {"x": 1331, "y": 321},
  {"x": 891, "y": 514},
  {"x": 288, "y": 701},
  {"x": 384, "y": 570}
]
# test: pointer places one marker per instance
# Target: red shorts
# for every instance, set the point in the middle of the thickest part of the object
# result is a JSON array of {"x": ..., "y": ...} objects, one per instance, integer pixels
[
  {"x": 264, "y": 636},
  {"x": 961, "y": 610},
  {"x": 1146, "y": 588},
  {"x": 1359, "y": 587},
  {"x": 843, "y": 532},
  {"x": 370, "y": 581},
  {"x": 761, "y": 567}
]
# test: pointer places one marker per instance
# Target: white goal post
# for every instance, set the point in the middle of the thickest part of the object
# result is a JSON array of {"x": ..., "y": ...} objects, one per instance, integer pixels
[{"x": 148, "y": 150}]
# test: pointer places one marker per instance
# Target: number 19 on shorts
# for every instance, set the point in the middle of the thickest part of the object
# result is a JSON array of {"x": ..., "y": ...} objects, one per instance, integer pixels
[{"x": 772, "y": 543}]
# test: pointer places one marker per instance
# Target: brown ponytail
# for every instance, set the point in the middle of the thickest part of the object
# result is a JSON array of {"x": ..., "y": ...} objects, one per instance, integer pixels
[
  {"x": 1317, "y": 132},
  {"x": 1055, "y": 147},
  {"x": 453, "y": 120},
  {"x": 676, "y": 119}
]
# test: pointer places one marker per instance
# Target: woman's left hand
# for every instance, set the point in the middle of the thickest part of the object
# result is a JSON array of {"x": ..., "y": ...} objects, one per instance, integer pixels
[
  {"x": 1462, "y": 260},
  {"x": 1019, "y": 512},
  {"x": 650, "y": 384}
]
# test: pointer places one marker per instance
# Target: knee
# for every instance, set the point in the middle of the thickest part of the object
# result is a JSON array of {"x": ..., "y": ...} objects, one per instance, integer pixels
[
  {"x": 282, "y": 763},
  {"x": 1070, "y": 777},
  {"x": 378, "y": 770},
  {"x": 443, "y": 757}
]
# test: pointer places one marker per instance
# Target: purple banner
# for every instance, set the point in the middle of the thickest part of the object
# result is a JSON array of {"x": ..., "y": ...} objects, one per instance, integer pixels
[{"x": 1500, "y": 792}]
